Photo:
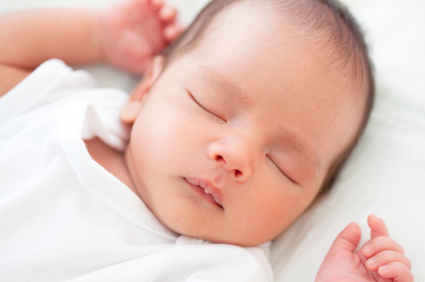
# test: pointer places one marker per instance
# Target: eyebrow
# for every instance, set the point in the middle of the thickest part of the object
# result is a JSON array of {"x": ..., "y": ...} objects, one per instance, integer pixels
[{"x": 223, "y": 84}]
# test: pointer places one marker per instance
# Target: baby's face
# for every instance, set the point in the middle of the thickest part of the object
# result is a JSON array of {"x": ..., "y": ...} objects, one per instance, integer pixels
[{"x": 235, "y": 138}]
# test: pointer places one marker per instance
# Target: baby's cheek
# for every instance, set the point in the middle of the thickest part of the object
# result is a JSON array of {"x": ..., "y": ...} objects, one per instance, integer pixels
[{"x": 160, "y": 139}]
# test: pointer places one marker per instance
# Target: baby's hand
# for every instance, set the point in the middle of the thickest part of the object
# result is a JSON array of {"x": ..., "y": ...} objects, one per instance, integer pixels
[
  {"x": 381, "y": 259},
  {"x": 134, "y": 31}
]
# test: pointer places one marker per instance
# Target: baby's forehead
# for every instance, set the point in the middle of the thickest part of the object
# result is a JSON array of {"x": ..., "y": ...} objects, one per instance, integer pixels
[{"x": 323, "y": 30}]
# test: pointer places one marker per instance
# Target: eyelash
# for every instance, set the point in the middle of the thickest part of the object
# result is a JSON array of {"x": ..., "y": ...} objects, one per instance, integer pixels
[
  {"x": 281, "y": 171},
  {"x": 202, "y": 107}
]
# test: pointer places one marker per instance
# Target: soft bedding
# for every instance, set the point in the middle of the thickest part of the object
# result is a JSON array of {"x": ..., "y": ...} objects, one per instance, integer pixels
[{"x": 386, "y": 173}]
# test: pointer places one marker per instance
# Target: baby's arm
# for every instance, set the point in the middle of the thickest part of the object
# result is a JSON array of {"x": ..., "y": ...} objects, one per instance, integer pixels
[
  {"x": 126, "y": 35},
  {"x": 381, "y": 259},
  {"x": 31, "y": 37},
  {"x": 28, "y": 38}
]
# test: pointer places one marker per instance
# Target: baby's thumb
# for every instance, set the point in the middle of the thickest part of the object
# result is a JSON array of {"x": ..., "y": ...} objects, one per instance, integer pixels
[{"x": 348, "y": 239}]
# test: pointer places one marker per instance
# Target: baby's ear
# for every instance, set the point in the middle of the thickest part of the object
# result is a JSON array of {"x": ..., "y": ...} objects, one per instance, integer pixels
[{"x": 133, "y": 106}]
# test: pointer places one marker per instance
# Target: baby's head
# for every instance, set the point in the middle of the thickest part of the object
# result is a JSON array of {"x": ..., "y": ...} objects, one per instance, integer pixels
[{"x": 248, "y": 117}]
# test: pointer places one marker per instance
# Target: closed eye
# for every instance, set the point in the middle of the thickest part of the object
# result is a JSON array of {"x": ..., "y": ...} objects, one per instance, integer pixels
[
  {"x": 202, "y": 107},
  {"x": 280, "y": 170}
]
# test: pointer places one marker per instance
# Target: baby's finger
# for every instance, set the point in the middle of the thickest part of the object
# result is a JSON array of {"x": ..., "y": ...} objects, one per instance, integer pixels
[
  {"x": 171, "y": 32},
  {"x": 397, "y": 271},
  {"x": 386, "y": 257},
  {"x": 348, "y": 239},
  {"x": 157, "y": 4},
  {"x": 381, "y": 244},
  {"x": 377, "y": 226},
  {"x": 168, "y": 13}
]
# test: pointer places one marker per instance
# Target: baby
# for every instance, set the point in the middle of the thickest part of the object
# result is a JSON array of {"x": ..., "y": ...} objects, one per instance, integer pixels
[{"x": 232, "y": 133}]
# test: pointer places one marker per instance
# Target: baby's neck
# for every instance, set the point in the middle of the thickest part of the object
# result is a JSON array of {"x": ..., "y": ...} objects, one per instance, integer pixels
[{"x": 110, "y": 159}]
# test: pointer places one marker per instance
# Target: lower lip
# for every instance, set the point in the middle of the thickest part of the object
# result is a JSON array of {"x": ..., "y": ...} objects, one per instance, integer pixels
[{"x": 208, "y": 197}]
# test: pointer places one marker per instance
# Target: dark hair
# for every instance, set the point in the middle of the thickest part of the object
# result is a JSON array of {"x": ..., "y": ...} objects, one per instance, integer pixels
[{"x": 321, "y": 19}]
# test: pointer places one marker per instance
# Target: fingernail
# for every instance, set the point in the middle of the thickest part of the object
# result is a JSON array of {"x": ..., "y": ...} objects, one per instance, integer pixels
[
  {"x": 367, "y": 248},
  {"x": 372, "y": 261},
  {"x": 383, "y": 268}
]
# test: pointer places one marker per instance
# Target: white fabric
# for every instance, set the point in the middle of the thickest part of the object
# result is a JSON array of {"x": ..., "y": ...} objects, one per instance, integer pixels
[{"x": 64, "y": 218}]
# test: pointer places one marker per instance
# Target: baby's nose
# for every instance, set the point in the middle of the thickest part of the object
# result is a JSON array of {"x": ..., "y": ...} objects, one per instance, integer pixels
[{"x": 234, "y": 156}]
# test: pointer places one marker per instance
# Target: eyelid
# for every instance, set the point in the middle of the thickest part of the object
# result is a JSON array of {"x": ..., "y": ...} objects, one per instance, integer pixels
[
  {"x": 196, "y": 101},
  {"x": 293, "y": 181}
]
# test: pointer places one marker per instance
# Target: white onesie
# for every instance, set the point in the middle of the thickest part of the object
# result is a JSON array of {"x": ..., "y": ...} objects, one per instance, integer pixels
[{"x": 65, "y": 218}]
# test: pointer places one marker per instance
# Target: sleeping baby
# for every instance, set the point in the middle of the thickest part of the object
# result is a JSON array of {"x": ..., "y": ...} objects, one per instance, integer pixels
[{"x": 233, "y": 132}]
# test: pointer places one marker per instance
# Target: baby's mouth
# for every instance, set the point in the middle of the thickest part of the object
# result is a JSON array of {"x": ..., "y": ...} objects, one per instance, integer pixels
[{"x": 206, "y": 190}]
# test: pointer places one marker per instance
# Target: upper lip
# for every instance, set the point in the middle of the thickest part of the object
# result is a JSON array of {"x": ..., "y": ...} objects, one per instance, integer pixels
[{"x": 208, "y": 187}]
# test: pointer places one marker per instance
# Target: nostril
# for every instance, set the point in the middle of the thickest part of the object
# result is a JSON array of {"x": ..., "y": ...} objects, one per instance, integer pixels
[
  {"x": 219, "y": 158},
  {"x": 238, "y": 173}
]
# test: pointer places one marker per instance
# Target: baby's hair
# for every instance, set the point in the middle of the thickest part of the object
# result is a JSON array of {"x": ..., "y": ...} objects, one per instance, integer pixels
[{"x": 325, "y": 23}]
